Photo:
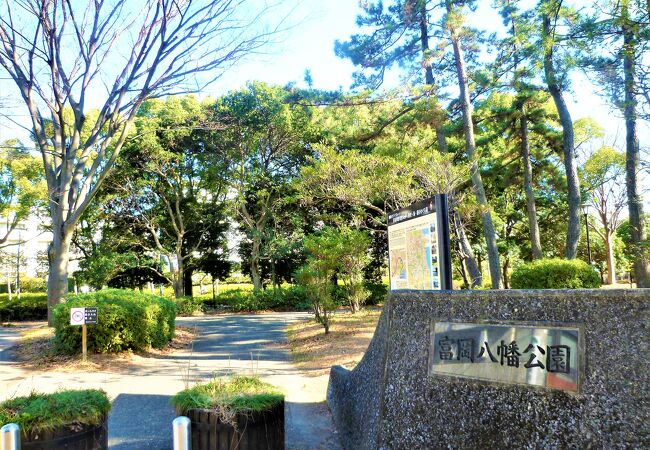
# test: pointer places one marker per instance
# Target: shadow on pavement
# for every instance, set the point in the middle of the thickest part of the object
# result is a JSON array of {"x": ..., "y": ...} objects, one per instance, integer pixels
[
  {"x": 140, "y": 421},
  {"x": 309, "y": 426}
]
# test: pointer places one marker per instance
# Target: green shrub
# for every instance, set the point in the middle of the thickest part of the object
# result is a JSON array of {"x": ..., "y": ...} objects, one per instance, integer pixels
[
  {"x": 378, "y": 293},
  {"x": 28, "y": 307},
  {"x": 292, "y": 298},
  {"x": 188, "y": 306},
  {"x": 33, "y": 284},
  {"x": 239, "y": 394},
  {"x": 281, "y": 299},
  {"x": 555, "y": 274},
  {"x": 125, "y": 320},
  {"x": 47, "y": 411}
]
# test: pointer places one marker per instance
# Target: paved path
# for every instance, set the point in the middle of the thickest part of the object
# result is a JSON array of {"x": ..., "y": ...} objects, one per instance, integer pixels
[{"x": 226, "y": 344}]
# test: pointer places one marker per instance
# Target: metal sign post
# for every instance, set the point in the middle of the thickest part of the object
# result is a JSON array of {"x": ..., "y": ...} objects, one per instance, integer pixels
[{"x": 442, "y": 210}]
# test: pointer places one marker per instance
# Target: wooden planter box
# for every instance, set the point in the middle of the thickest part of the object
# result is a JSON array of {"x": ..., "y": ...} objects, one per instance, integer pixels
[
  {"x": 68, "y": 437},
  {"x": 262, "y": 430}
]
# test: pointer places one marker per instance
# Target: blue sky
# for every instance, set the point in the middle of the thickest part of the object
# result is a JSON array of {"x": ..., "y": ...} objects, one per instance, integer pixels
[
  {"x": 314, "y": 26},
  {"x": 310, "y": 45}
]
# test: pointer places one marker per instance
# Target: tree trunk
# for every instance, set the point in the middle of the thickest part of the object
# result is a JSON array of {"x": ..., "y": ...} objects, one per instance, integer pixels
[
  {"x": 178, "y": 278},
  {"x": 470, "y": 146},
  {"x": 535, "y": 244},
  {"x": 9, "y": 291},
  {"x": 256, "y": 276},
  {"x": 634, "y": 197},
  {"x": 573, "y": 187},
  {"x": 466, "y": 249},
  {"x": 506, "y": 265},
  {"x": 57, "y": 280},
  {"x": 187, "y": 283},
  {"x": 462, "y": 270},
  {"x": 611, "y": 261},
  {"x": 424, "y": 43},
  {"x": 274, "y": 281},
  {"x": 467, "y": 253}
]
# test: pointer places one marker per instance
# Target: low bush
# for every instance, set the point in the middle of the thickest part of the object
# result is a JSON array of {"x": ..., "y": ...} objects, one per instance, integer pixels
[
  {"x": 555, "y": 274},
  {"x": 48, "y": 411},
  {"x": 33, "y": 284},
  {"x": 292, "y": 298},
  {"x": 28, "y": 307},
  {"x": 125, "y": 320},
  {"x": 239, "y": 394},
  {"x": 378, "y": 293},
  {"x": 188, "y": 306}
]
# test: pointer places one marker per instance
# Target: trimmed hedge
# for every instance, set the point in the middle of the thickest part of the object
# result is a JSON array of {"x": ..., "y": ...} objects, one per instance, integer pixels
[
  {"x": 291, "y": 298},
  {"x": 555, "y": 273},
  {"x": 28, "y": 307},
  {"x": 125, "y": 320}
]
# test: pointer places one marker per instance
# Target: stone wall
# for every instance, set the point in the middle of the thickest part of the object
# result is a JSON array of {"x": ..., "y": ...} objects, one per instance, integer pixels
[{"x": 390, "y": 401}]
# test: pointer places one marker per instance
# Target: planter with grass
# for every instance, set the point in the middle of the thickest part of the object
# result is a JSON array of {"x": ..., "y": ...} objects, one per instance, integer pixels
[
  {"x": 63, "y": 420},
  {"x": 241, "y": 413}
]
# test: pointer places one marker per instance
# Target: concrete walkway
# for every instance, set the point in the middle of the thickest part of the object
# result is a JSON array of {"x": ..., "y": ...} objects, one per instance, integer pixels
[{"x": 226, "y": 344}]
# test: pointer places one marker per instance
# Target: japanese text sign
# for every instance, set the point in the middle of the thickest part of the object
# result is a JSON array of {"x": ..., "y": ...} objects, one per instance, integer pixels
[
  {"x": 83, "y": 316},
  {"x": 520, "y": 354},
  {"x": 90, "y": 315}
]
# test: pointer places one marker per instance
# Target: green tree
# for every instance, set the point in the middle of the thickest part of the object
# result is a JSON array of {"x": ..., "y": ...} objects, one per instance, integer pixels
[
  {"x": 334, "y": 253},
  {"x": 316, "y": 275},
  {"x": 282, "y": 252},
  {"x": 629, "y": 247},
  {"x": 618, "y": 38},
  {"x": 454, "y": 24},
  {"x": 22, "y": 186},
  {"x": 265, "y": 139},
  {"x": 167, "y": 194},
  {"x": 122, "y": 57},
  {"x": 119, "y": 269},
  {"x": 404, "y": 34},
  {"x": 518, "y": 52},
  {"x": 350, "y": 249},
  {"x": 556, "y": 68},
  {"x": 603, "y": 175}
]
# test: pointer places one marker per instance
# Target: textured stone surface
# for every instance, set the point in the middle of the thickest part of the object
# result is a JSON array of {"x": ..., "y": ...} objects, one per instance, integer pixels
[{"x": 389, "y": 400}]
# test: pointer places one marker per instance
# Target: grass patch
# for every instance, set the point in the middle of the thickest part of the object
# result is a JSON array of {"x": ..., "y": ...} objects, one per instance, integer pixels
[
  {"x": 48, "y": 411},
  {"x": 238, "y": 394},
  {"x": 345, "y": 345}
]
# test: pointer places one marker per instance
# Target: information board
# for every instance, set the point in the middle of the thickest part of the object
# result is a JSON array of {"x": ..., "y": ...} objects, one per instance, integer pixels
[{"x": 418, "y": 246}]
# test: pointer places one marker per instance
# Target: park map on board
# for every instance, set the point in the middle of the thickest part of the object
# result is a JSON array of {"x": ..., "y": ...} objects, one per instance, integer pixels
[{"x": 413, "y": 254}]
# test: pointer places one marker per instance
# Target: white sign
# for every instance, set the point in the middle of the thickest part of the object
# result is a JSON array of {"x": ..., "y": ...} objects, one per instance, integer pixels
[{"x": 77, "y": 316}]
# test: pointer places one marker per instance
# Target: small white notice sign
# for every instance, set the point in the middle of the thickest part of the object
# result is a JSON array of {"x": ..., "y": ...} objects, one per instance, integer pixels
[{"x": 77, "y": 316}]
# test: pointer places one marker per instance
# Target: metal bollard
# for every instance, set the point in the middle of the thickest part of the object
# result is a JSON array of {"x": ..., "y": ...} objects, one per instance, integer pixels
[
  {"x": 182, "y": 433},
  {"x": 10, "y": 437}
]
